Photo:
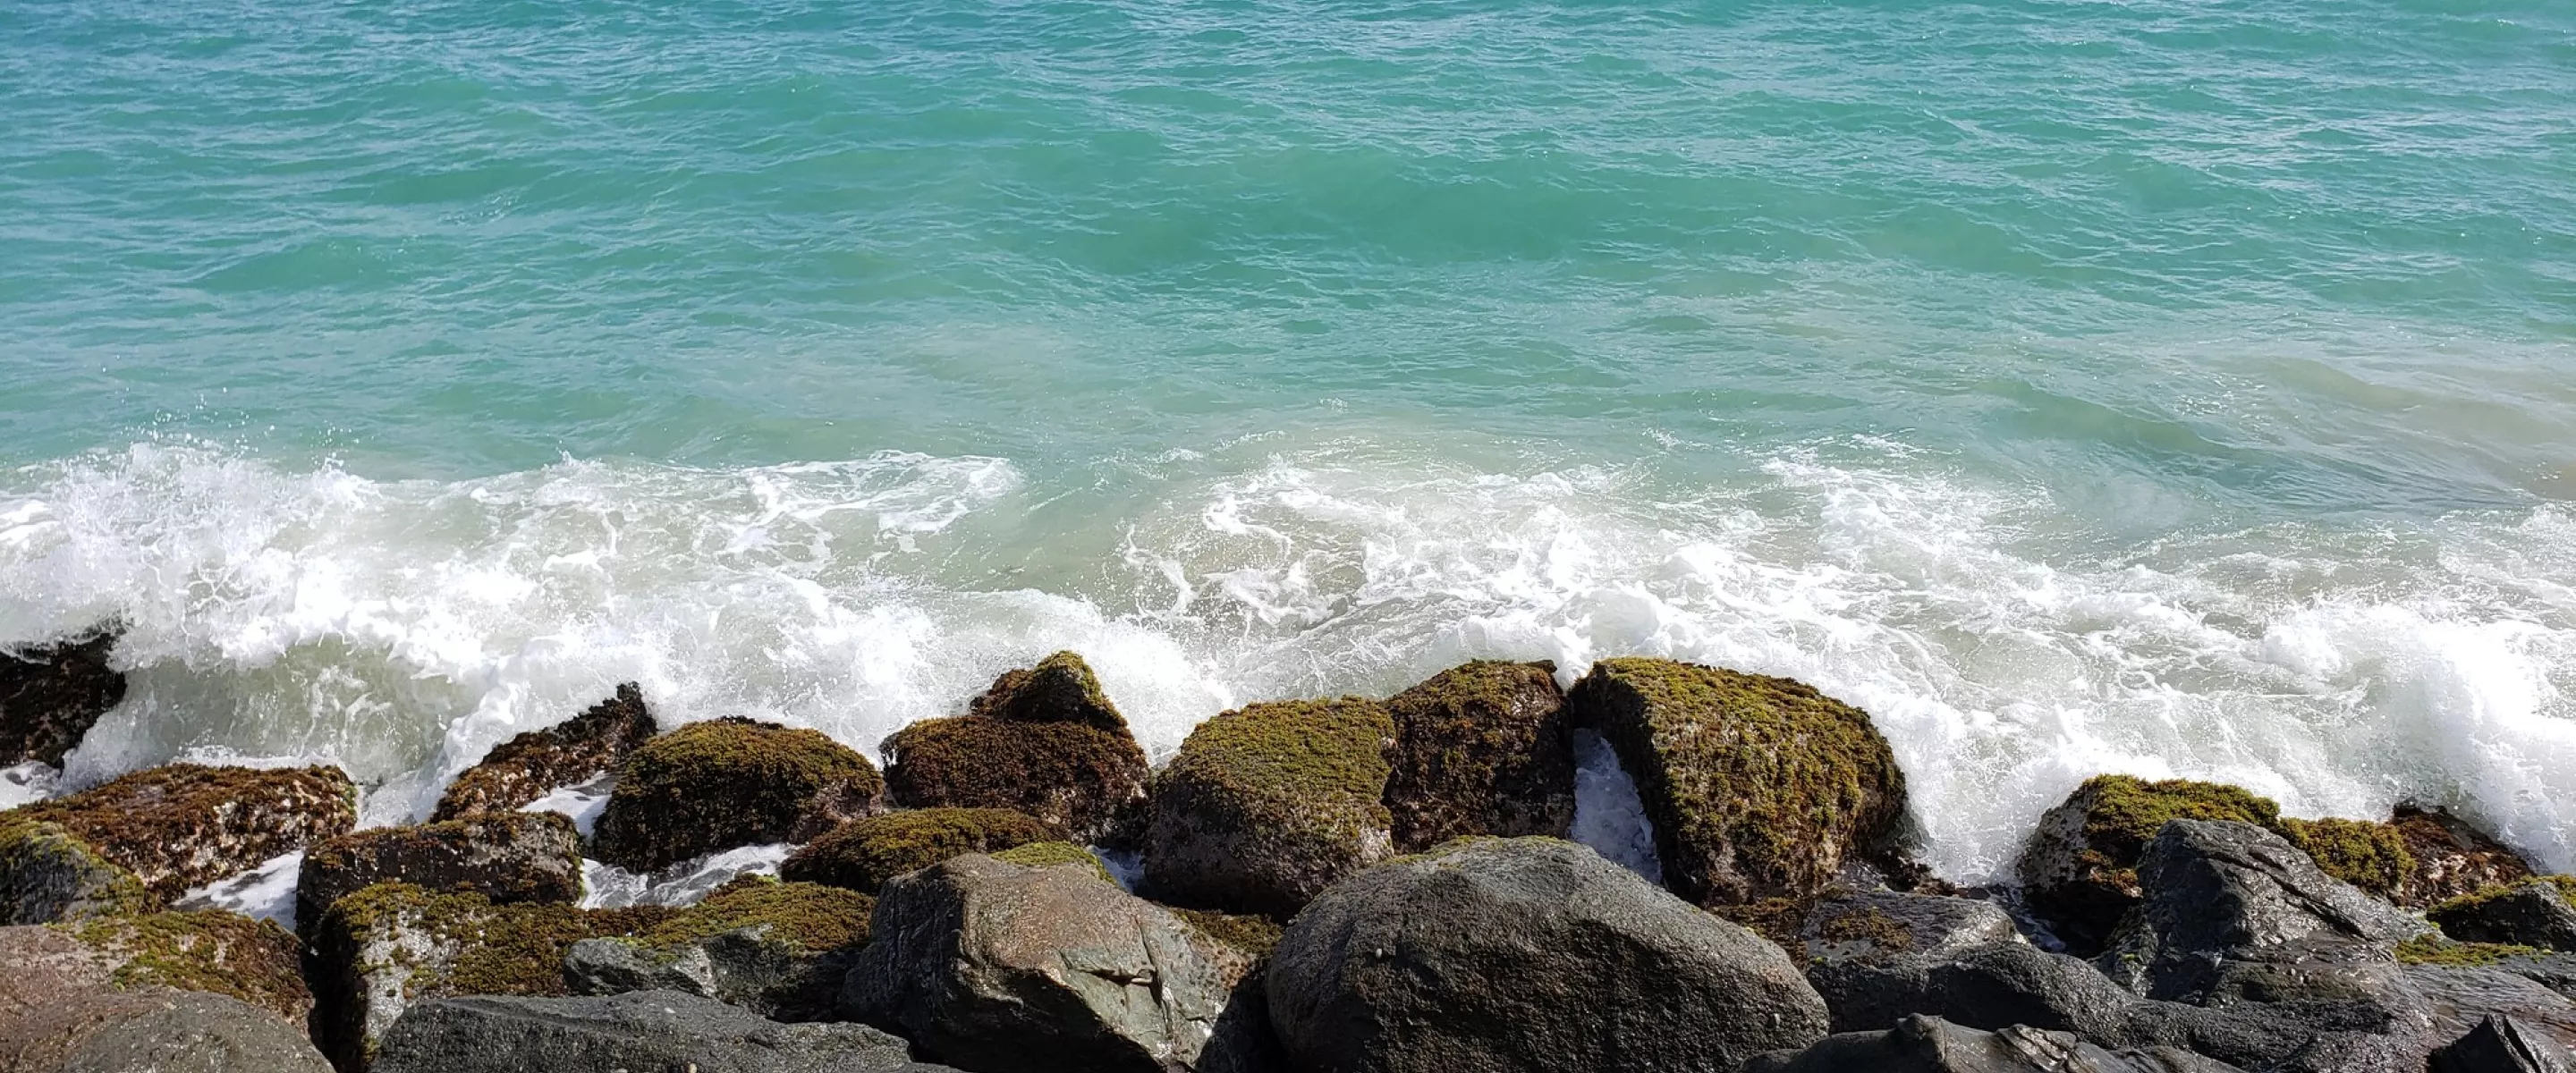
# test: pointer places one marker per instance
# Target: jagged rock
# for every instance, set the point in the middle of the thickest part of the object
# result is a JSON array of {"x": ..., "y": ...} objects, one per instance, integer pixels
[
  {"x": 2503, "y": 1045},
  {"x": 641, "y": 1031},
  {"x": 777, "y": 949},
  {"x": 2535, "y": 912},
  {"x": 1266, "y": 806},
  {"x": 1758, "y": 788},
  {"x": 47, "y": 875},
  {"x": 187, "y": 825},
  {"x": 540, "y": 762},
  {"x": 1484, "y": 748},
  {"x": 2450, "y": 857},
  {"x": 2234, "y": 908},
  {"x": 52, "y": 694},
  {"x": 2079, "y": 870},
  {"x": 725, "y": 783},
  {"x": 864, "y": 854},
  {"x": 1004, "y": 969},
  {"x": 1498, "y": 955},
  {"x": 506, "y": 857},
  {"x": 1932, "y": 1045},
  {"x": 1044, "y": 741},
  {"x": 157, "y": 1030}
]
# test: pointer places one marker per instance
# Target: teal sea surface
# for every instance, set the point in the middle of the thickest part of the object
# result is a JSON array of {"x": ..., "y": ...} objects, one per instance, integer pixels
[{"x": 2177, "y": 387}]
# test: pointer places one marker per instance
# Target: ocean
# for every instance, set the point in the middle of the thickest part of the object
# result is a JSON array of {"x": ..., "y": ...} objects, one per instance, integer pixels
[{"x": 2173, "y": 387}]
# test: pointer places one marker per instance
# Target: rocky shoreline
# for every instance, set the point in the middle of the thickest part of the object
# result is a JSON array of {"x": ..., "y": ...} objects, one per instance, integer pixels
[{"x": 1329, "y": 885}]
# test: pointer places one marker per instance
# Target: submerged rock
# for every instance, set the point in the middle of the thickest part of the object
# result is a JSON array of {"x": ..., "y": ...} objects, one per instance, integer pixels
[
  {"x": 187, "y": 825},
  {"x": 1529, "y": 954},
  {"x": 2538, "y": 912},
  {"x": 1044, "y": 741},
  {"x": 508, "y": 857},
  {"x": 1484, "y": 748},
  {"x": 864, "y": 854},
  {"x": 642, "y": 1031},
  {"x": 1266, "y": 806},
  {"x": 730, "y": 782},
  {"x": 47, "y": 875},
  {"x": 1759, "y": 788},
  {"x": 539, "y": 762},
  {"x": 777, "y": 949},
  {"x": 1932, "y": 1045},
  {"x": 50, "y": 695},
  {"x": 1003, "y": 969},
  {"x": 2080, "y": 868}
]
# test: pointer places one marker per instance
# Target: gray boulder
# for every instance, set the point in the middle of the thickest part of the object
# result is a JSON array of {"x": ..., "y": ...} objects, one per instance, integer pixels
[
  {"x": 1883, "y": 924},
  {"x": 1932, "y": 1045},
  {"x": 2503, "y": 1045},
  {"x": 754, "y": 968},
  {"x": 1500, "y": 955},
  {"x": 1006, "y": 969},
  {"x": 189, "y": 1032},
  {"x": 638, "y": 1032},
  {"x": 2231, "y": 910},
  {"x": 48, "y": 875}
]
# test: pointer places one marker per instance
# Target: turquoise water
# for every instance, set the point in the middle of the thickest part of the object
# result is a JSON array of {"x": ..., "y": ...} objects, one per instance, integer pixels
[{"x": 2179, "y": 388}]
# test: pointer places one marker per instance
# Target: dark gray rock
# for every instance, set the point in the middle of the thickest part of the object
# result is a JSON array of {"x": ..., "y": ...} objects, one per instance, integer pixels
[
  {"x": 2503, "y": 1045},
  {"x": 1990, "y": 986},
  {"x": 50, "y": 695},
  {"x": 2534, "y": 912},
  {"x": 1932, "y": 1045},
  {"x": 637, "y": 1032},
  {"x": 751, "y": 967},
  {"x": 2234, "y": 910},
  {"x": 507, "y": 857},
  {"x": 194, "y": 1032},
  {"x": 49, "y": 875},
  {"x": 1534, "y": 954},
  {"x": 1881, "y": 925}
]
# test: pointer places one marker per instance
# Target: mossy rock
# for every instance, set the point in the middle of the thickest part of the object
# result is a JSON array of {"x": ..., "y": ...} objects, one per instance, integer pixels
[
  {"x": 863, "y": 854},
  {"x": 1060, "y": 689},
  {"x": 539, "y": 762},
  {"x": 48, "y": 875},
  {"x": 507, "y": 857},
  {"x": 1759, "y": 788},
  {"x": 50, "y": 695},
  {"x": 810, "y": 916},
  {"x": 725, "y": 783},
  {"x": 2436, "y": 950},
  {"x": 777, "y": 949},
  {"x": 2371, "y": 856},
  {"x": 2451, "y": 856},
  {"x": 1254, "y": 937},
  {"x": 1072, "y": 774},
  {"x": 1481, "y": 748},
  {"x": 2537, "y": 912},
  {"x": 203, "y": 950},
  {"x": 1051, "y": 854},
  {"x": 2080, "y": 870},
  {"x": 1266, "y": 806},
  {"x": 186, "y": 825}
]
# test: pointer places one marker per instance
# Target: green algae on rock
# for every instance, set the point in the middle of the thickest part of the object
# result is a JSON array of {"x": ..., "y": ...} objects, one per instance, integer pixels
[
  {"x": 507, "y": 857},
  {"x": 863, "y": 854},
  {"x": 2368, "y": 855},
  {"x": 203, "y": 950},
  {"x": 540, "y": 762},
  {"x": 1266, "y": 806},
  {"x": 730, "y": 782},
  {"x": 2080, "y": 868},
  {"x": 1043, "y": 740},
  {"x": 1759, "y": 788},
  {"x": 1481, "y": 748},
  {"x": 1050, "y": 854},
  {"x": 186, "y": 825},
  {"x": 2537, "y": 912},
  {"x": 47, "y": 875},
  {"x": 1059, "y": 689}
]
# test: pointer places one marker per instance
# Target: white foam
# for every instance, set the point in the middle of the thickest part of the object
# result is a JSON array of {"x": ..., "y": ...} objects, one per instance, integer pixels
[
  {"x": 582, "y": 804},
  {"x": 26, "y": 783},
  {"x": 687, "y": 883},
  {"x": 1608, "y": 814},
  {"x": 266, "y": 892}
]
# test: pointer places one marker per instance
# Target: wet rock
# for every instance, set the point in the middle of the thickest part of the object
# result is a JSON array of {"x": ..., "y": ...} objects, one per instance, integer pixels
[
  {"x": 1932, "y": 1045},
  {"x": 777, "y": 949},
  {"x": 640, "y": 1031},
  {"x": 1532, "y": 954},
  {"x": 1004, "y": 969},
  {"x": 156, "y": 1030},
  {"x": 1876, "y": 926},
  {"x": 1266, "y": 806},
  {"x": 864, "y": 854},
  {"x": 50, "y": 695},
  {"x": 1044, "y": 741},
  {"x": 2504, "y": 1045},
  {"x": 47, "y": 875},
  {"x": 506, "y": 857},
  {"x": 1759, "y": 788},
  {"x": 725, "y": 783},
  {"x": 2234, "y": 909},
  {"x": 539, "y": 762},
  {"x": 2079, "y": 871},
  {"x": 2450, "y": 858},
  {"x": 1989, "y": 986},
  {"x": 2538, "y": 912},
  {"x": 1481, "y": 749},
  {"x": 187, "y": 825},
  {"x": 2370, "y": 856}
]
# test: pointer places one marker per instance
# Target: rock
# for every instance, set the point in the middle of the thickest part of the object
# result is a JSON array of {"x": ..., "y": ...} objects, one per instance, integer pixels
[
  {"x": 1878, "y": 925},
  {"x": 539, "y": 762},
  {"x": 725, "y": 783},
  {"x": 506, "y": 857},
  {"x": 103, "y": 998},
  {"x": 1266, "y": 806},
  {"x": 642, "y": 1032},
  {"x": 1481, "y": 749},
  {"x": 1527, "y": 954},
  {"x": 377, "y": 952},
  {"x": 2370, "y": 856},
  {"x": 1044, "y": 741},
  {"x": 2079, "y": 871},
  {"x": 777, "y": 949},
  {"x": 162, "y": 1031},
  {"x": 1989, "y": 986},
  {"x": 186, "y": 825},
  {"x": 50, "y": 695},
  {"x": 1004, "y": 969},
  {"x": 2503, "y": 1045},
  {"x": 2538, "y": 912},
  {"x": 1050, "y": 854},
  {"x": 47, "y": 875},
  {"x": 2451, "y": 857},
  {"x": 864, "y": 854},
  {"x": 1932, "y": 1045},
  {"x": 1758, "y": 788},
  {"x": 2220, "y": 892},
  {"x": 207, "y": 950}
]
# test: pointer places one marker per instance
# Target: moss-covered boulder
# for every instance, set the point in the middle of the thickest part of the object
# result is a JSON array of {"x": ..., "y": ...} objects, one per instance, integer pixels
[
  {"x": 205, "y": 950},
  {"x": 2368, "y": 855},
  {"x": 777, "y": 949},
  {"x": 1043, "y": 740},
  {"x": 2079, "y": 871},
  {"x": 507, "y": 857},
  {"x": 1759, "y": 788},
  {"x": 1481, "y": 749},
  {"x": 2451, "y": 857},
  {"x": 540, "y": 762},
  {"x": 2539, "y": 912},
  {"x": 1051, "y": 854},
  {"x": 187, "y": 825},
  {"x": 725, "y": 783},
  {"x": 50, "y": 695},
  {"x": 67, "y": 1005},
  {"x": 863, "y": 854},
  {"x": 377, "y": 952},
  {"x": 47, "y": 875},
  {"x": 1266, "y": 806}
]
